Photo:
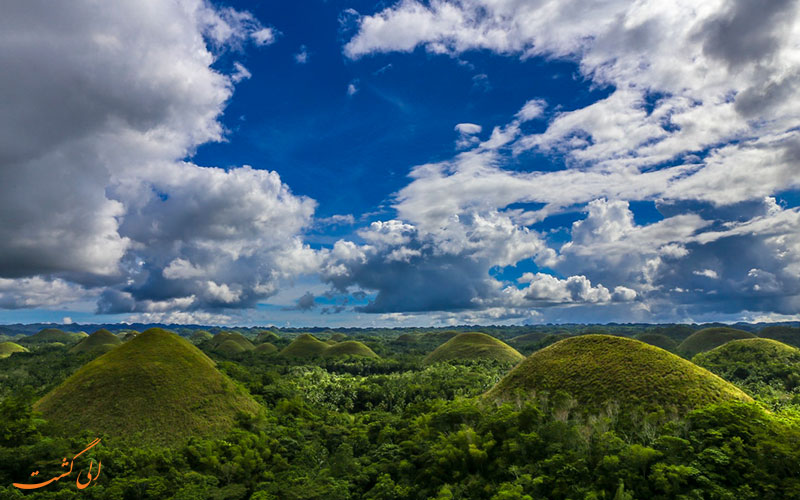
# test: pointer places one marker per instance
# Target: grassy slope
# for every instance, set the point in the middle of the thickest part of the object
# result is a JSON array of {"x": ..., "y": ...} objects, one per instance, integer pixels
[
  {"x": 265, "y": 348},
  {"x": 709, "y": 338},
  {"x": 349, "y": 348},
  {"x": 658, "y": 340},
  {"x": 100, "y": 341},
  {"x": 9, "y": 348},
  {"x": 157, "y": 387},
  {"x": 267, "y": 336},
  {"x": 473, "y": 346},
  {"x": 596, "y": 369},
  {"x": 201, "y": 336},
  {"x": 786, "y": 334},
  {"x": 222, "y": 338},
  {"x": 339, "y": 337},
  {"x": 763, "y": 359},
  {"x": 53, "y": 335},
  {"x": 304, "y": 346}
]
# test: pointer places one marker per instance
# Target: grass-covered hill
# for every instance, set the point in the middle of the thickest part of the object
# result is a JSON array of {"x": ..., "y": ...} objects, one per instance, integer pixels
[
  {"x": 473, "y": 346},
  {"x": 100, "y": 341},
  {"x": 229, "y": 343},
  {"x": 155, "y": 388},
  {"x": 349, "y": 348},
  {"x": 266, "y": 336},
  {"x": 265, "y": 348},
  {"x": 9, "y": 348},
  {"x": 659, "y": 340},
  {"x": 529, "y": 338},
  {"x": 49, "y": 335},
  {"x": 782, "y": 333},
  {"x": 601, "y": 369},
  {"x": 406, "y": 338},
  {"x": 750, "y": 362},
  {"x": 339, "y": 337},
  {"x": 709, "y": 338},
  {"x": 200, "y": 336},
  {"x": 304, "y": 346},
  {"x": 438, "y": 337}
]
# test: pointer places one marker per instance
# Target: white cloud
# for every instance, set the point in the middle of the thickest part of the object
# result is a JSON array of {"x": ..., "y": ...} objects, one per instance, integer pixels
[
  {"x": 352, "y": 88},
  {"x": 301, "y": 57},
  {"x": 708, "y": 273},
  {"x": 532, "y": 110},
  {"x": 240, "y": 73}
]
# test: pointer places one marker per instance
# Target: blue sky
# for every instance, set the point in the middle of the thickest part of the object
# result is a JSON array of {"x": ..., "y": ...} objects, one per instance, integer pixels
[{"x": 412, "y": 163}]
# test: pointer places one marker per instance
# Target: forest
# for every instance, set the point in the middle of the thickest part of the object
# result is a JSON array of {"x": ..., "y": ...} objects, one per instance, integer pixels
[{"x": 591, "y": 412}]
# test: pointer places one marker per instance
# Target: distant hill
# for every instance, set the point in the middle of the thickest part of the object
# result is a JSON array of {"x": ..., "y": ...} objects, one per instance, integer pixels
[
  {"x": 709, "y": 338},
  {"x": 266, "y": 336},
  {"x": 9, "y": 348},
  {"x": 265, "y": 348},
  {"x": 601, "y": 369},
  {"x": 782, "y": 333},
  {"x": 473, "y": 346},
  {"x": 754, "y": 361},
  {"x": 200, "y": 336},
  {"x": 406, "y": 338},
  {"x": 229, "y": 343},
  {"x": 659, "y": 340},
  {"x": 304, "y": 346},
  {"x": 100, "y": 341},
  {"x": 338, "y": 337},
  {"x": 349, "y": 348},
  {"x": 48, "y": 335},
  {"x": 156, "y": 388},
  {"x": 529, "y": 338}
]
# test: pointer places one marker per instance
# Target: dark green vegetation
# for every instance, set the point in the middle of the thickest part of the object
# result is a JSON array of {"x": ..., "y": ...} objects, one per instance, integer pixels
[
  {"x": 762, "y": 367},
  {"x": 99, "y": 342},
  {"x": 601, "y": 370},
  {"x": 201, "y": 336},
  {"x": 266, "y": 336},
  {"x": 266, "y": 348},
  {"x": 230, "y": 343},
  {"x": 782, "y": 333},
  {"x": 348, "y": 348},
  {"x": 339, "y": 337},
  {"x": 9, "y": 348},
  {"x": 357, "y": 427},
  {"x": 49, "y": 335},
  {"x": 155, "y": 388},
  {"x": 709, "y": 338},
  {"x": 659, "y": 340},
  {"x": 474, "y": 346}
]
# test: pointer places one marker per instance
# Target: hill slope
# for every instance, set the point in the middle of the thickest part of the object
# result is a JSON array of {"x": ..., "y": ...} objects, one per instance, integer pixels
[
  {"x": 265, "y": 348},
  {"x": 9, "y": 348},
  {"x": 709, "y": 338},
  {"x": 99, "y": 342},
  {"x": 786, "y": 334},
  {"x": 597, "y": 369},
  {"x": 750, "y": 362},
  {"x": 224, "y": 342},
  {"x": 304, "y": 346},
  {"x": 349, "y": 348},
  {"x": 49, "y": 335},
  {"x": 156, "y": 388},
  {"x": 473, "y": 346},
  {"x": 658, "y": 340}
]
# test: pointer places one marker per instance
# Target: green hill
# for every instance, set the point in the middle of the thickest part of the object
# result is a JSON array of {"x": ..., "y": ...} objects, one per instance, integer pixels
[
  {"x": 709, "y": 338},
  {"x": 751, "y": 362},
  {"x": 156, "y": 388},
  {"x": 200, "y": 336},
  {"x": 100, "y": 341},
  {"x": 304, "y": 346},
  {"x": 48, "y": 335},
  {"x": 439, "y": 337},
  {"x": 406, "y": 338},
  {"x": 473, "y": 346},
  {"x": 782, "y": 333},
  {"x": 659, "y": 340},
  {"x": 349, "y": 348},
  {"x": 9, "y": 348},
  {"x": 530, "y": 338},
  {"x": 598, "y": 369},
  {"x": 265, "y": 348},
  {"x": 222, "y": 341},
  {"x": 338, "y": 337},
  {"x": 266, "y": 336}
]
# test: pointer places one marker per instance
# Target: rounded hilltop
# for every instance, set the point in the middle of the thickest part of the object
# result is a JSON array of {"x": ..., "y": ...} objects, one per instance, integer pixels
[
  {"x": 753, "y": 361},
  {"x": 304, "y": 346},
  {"x": 349, "y": 348},
  {"x": 782, "y": 333},
  {"x": 200, "y": 336},
  {"x": 709, "y": 338},
  {"x": 229, "y": 343},
  {"x": 155, "y": 388},
  {"x": 99, "y": 342},
  {"x": 473, "y": 346},
  {"x": 600, "y": 369},
  {"x": 52, "y": 335},
  {"x": 9, "y": 348},
  {"x": 658, "y": 340}
]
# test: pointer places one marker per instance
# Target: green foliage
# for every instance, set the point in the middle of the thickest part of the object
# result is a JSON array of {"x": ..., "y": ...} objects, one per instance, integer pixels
[
  {"x": 709, "y": 338},
  {"x": 658, "y": 340},
  {"x": 599, "y": 370},
  {"x": 782, "y": 333},
  {"x": 474, "y": 346}
]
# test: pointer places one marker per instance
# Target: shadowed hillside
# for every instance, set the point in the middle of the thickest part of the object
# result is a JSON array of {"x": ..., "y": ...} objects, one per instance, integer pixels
[
  {"x": 472, "y": 347},
  {"x": 99, "y": 342},
  {"x": 659, "y": 340},
  {"x": 598, "y": 369},
  {"x": 229, "y": 343},
  {"x": 786, "y": 334},
  {"x": 709, "y": 338},
  {"x": 156, "y": 388},
  {"x": 304, "y": 346}
]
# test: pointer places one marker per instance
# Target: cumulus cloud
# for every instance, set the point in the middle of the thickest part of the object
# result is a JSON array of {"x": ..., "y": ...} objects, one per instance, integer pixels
[
  {"x": 102, "y": 106},
  {"x": 301, "y": 57}
]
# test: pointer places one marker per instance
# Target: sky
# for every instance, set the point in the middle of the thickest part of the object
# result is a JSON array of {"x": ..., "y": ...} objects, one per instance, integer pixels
[{"x": 410, "y": 163}]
